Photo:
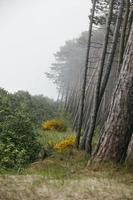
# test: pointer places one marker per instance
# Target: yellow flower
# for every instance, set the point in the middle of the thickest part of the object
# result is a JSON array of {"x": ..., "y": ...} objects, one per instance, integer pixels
[
  {"x": 67, "y": 142},
  {"x": 54, "y": 125}
]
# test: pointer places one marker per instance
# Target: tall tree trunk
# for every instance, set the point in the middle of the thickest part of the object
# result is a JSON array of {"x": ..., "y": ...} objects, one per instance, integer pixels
[
  {"x": 113, "y": 50},
  {"x": 129, "y": 23},
  {"x": 122, "y": 40},
  {"x": 119, "y": 124},
  {"x": 88, "y": 146},
  {"x": 85, "y": 77}
]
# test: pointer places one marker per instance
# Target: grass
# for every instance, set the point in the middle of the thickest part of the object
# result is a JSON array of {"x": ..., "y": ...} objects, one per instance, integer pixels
[
  {"x": 58, "y": 165},
  {"x": 72, "y": 164},
  {"x": 66, "y": 176},
  {"x": 69, "y": 163},
  {"x": 66, "y": 164},
  {"x": 45, "y": 136}
]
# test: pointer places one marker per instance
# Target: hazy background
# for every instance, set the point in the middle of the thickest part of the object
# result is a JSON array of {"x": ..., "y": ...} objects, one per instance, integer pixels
[{"x": 30, "y": 32}]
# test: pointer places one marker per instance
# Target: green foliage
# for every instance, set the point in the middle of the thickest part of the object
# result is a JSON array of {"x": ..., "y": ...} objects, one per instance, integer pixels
[
  {"x": 20, "y": 114},
  {"x": 40, "y": 108},
  {"x": 48, "y": 137},
  {"x": 66, "y": 164},
  {"x": 43, "y": 109},
  {"x": 11, "y": 157},
  {"x": 18, "y": 143}
]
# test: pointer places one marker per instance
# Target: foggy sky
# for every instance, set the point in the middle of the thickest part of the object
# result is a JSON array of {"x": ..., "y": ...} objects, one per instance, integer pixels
[{"x": 31, "y": 31}]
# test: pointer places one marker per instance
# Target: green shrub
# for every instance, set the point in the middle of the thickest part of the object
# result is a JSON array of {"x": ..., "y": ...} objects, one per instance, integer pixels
[
  {"x": 11, "y": 157},
  {"x": 18, "y": 143}
]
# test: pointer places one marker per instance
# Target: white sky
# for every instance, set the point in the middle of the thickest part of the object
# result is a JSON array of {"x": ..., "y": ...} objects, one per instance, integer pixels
[{"x": 31, "y": 31}]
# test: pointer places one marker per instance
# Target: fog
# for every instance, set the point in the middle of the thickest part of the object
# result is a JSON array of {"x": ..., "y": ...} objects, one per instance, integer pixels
[{"x": 31, "y": 31}]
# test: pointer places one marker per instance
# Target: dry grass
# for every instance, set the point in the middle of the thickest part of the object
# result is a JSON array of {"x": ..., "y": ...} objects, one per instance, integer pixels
[
  {"x": 65, "y": 177},
  {"x": 38, "y": 188}
]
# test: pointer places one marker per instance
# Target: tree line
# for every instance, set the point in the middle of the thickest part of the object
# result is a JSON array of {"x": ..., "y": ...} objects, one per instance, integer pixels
[{"x": 94, "y": 75}]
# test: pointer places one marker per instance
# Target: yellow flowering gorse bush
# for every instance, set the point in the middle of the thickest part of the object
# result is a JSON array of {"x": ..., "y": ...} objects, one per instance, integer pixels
[
  {"x": 67, "y": 142},
  {"x": 54, "y": 125}
]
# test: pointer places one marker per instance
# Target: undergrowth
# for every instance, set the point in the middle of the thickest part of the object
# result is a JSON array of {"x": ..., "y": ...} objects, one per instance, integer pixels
[
  {"x": 66, "y": 164},
  {"x": 71, "y": 164}
]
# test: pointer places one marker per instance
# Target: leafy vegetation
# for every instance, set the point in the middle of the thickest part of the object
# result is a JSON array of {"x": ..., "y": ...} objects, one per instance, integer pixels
[
  {"x": 54, "y": 125},
  {"x": 31, "y": 128},
  {"x": 20, "y": 115},
  {"x": 18, "y": 143},
  {"x": 53, "y": 141},
  {"x": 61, "y": 164}
]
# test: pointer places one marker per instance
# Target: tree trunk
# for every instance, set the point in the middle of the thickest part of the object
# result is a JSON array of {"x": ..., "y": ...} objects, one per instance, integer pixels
[
  {"x": 122, "y": 40},
  {"x": 85, "y": 78},
  {"x": 119, "y": 124},
  {"x": 113, "y": 50},
  {"x": 88, "y": 146},
  {"x": 129, "y": 157}
]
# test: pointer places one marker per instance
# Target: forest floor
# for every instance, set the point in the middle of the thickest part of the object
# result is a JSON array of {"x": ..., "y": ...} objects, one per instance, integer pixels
[{"x": 66, "y": 177}]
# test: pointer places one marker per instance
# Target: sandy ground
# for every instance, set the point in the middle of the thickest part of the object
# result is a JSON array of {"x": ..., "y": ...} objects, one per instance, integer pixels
[{"x": 38, "y": 188}]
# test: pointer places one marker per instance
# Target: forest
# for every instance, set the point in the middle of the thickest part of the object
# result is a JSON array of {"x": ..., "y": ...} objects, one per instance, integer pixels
[
  {"x": 84, "y": 139},
  {"x": 98, "y": 93}
]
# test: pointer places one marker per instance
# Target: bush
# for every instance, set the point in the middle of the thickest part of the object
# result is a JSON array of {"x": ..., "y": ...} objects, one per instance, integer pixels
[
  {"x": 65, "y": 143},
  {"x": 54, "y": 125},
  {"x": 18, "y": 143},
  {"x": 56, "y": 141},
  {"x": 12, "y": 157}
]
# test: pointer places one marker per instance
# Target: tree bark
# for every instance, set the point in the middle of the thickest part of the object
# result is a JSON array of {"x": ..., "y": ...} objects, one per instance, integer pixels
[
  {"x": 88, "y": 146},
  {"x": 129, "y": 157},
  {"x": 122, "y": 40},
  {"x": 119, "y": 125},
  {"x": 113, "y": 50}
]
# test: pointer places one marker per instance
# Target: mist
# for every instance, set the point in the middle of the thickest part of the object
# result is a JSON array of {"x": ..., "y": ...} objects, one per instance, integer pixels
[{"x": 31, "y": 32}]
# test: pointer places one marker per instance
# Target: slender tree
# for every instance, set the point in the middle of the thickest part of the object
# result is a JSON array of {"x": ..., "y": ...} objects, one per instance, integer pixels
[
  {"x": 85, "y": 77},
  {"x": 101, "y": 66},
  {"x": 122, "y": 39}
]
